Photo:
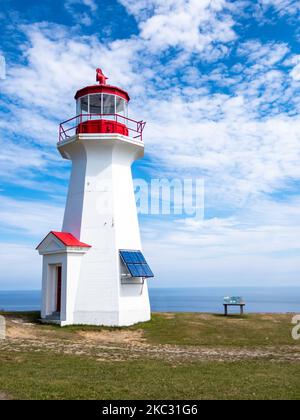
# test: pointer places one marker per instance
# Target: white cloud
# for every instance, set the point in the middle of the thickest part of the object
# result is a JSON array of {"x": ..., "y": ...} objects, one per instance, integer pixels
[
  {"x": 82, "y": 17},
  {"x": 27, "y": 222},
  {"x": 91, "y": 4},
  {"x": 189, "y": 24},
  {"x": 216, "y": 137},
  {"x": 20, "y": 267},
  {"x": 2, "y": 67},
  {"x": 295, "y": 72},
  {"x": 282, "y": 7},
  {"x": 33, "y": 125},
  {"x": 30, "y": 218},
  {"x": 58, "y": 63},
  {"x": 257, "y": 246},
  {"x": 219, "y": 135},
  {"x": 242, "y": 140},
  {"x": 266, "y": 54}
]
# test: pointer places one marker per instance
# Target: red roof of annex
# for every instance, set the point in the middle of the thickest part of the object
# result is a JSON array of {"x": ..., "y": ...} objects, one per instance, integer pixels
[{"x": 67, "y": 239}]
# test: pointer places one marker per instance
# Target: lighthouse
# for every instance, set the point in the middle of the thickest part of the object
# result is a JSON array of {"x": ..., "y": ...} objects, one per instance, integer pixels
[{"x": 94, "y": 271}]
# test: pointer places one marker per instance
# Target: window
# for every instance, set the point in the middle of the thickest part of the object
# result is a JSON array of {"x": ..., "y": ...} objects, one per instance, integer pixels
[
  {"x": 84, "y": 105},
  {"x": 120, "y": 106},
  {"x": 108, "y": 104},
  {"x": 102, "y": 104},
  {"x": 95, "y": 104}
]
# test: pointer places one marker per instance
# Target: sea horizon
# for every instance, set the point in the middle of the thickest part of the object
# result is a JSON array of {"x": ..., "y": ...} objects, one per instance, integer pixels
[{"x": 259, "y": 299}]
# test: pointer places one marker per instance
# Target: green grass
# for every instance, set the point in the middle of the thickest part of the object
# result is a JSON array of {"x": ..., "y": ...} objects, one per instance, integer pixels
[
  {"x": 215, "y": 330},
  {"x": 48, "y": 376},
  {"x": 198, "y": 329},
  {"x": 32, "y": 316}
]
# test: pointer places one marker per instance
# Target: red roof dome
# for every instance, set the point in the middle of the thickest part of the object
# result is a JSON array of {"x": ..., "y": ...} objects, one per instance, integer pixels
[
  {"x": 102, "y": 88},
  {"x": 113, "y": 90}
]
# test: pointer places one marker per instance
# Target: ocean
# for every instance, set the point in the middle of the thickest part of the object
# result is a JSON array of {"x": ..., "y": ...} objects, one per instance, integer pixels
[{"x": 280, "y": 299}]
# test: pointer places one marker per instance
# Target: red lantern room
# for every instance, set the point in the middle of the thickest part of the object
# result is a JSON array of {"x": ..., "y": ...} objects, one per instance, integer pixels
[{"x": 101, "y": 108}]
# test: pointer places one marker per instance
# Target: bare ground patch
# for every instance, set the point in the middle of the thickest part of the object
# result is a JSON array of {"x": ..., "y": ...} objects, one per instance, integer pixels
[
  {"x": 119, "y": 352},
  {"x": 126, "y": 344},
  {"x": 167, "y": 315},
  {"x": 4, "y": 396},
  {"x": 22, "y": 330},
  {"x": 113, "y": 337}
]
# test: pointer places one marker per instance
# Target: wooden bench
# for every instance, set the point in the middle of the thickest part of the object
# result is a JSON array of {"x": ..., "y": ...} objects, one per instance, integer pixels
[{"x": 233, "y": 301}]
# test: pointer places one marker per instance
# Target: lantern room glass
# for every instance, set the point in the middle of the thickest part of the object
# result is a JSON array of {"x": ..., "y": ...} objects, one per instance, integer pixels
[
  {"x": 102, "y": 103},
  {"x": 84, "y": 105},
  {"x": 95, "y": 104},
  {"x": 108, "y": 104}
]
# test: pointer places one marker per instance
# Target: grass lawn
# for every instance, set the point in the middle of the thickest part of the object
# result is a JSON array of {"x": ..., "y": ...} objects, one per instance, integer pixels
[
  {"x": 197, "y": 329},
  {"x": 45, "y": 376},
  {"x": 166, "y": 358},
  {"x": 216, "y": 330}
]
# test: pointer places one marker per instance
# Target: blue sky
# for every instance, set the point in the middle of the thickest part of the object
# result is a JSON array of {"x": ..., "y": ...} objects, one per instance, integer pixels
[{"x": 218, "y": 84}]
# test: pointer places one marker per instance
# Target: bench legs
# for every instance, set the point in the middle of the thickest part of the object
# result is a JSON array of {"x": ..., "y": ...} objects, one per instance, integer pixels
[{"x": 226, "y": 309}]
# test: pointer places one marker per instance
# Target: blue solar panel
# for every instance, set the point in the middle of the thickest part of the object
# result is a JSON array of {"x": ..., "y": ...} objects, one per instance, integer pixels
[
  {"x": 133, "y": 257},
  {"x": 148, "y": 271},
  {"x": 134, "y": 270},
  {"x": 136, "y": 263}
]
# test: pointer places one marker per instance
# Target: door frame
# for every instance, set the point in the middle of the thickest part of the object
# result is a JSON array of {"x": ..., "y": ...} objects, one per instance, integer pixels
[{"x": 58, "y": 284}]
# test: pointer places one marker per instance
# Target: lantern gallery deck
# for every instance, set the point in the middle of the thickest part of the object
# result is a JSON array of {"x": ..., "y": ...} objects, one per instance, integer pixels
[{"x": 101, "y": 123}]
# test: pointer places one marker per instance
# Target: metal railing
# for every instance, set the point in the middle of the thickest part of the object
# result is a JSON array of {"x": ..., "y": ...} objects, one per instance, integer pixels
[{"x": 69, "y": 127}]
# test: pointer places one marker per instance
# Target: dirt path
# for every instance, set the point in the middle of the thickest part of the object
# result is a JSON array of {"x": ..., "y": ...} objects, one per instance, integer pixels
[
  {"x": 118, "y": 345},
  {"x": 169, "y": 353}
]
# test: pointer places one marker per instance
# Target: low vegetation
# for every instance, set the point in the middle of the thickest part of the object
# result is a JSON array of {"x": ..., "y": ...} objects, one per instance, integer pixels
[
  {"x": 174, "y": 356},
  {"x": 216, "y": 330}
]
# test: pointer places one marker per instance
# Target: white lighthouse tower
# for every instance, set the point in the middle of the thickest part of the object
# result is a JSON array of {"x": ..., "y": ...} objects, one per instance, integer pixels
[{"x": 93, "y": 270}]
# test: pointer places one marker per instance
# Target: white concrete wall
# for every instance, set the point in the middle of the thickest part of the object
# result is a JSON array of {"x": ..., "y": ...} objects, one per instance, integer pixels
[
  {"x": 71, "y": 274},
  {"x": 133, "y": 298},
  {"x": 101, "y": 211}
]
